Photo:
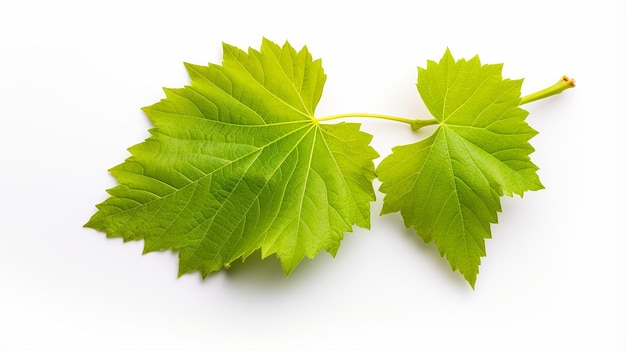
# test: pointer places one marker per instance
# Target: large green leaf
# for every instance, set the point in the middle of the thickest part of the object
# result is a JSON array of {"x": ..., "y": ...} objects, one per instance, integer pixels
[
  {"x": 448, "y": 186},
  {"x": 237, "y": 162}
]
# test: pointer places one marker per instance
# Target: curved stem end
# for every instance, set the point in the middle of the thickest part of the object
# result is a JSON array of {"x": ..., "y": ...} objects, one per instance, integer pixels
[{"x": 563, "y": 84}]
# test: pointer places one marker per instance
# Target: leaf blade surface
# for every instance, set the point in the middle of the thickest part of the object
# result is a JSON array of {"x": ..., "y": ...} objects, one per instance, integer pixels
[
  {"x": 448, "y": 186},
  {"x": 236, "y": 163}
]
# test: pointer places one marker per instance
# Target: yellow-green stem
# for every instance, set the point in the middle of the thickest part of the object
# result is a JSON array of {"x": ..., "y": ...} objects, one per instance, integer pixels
[
  {"x": 414, "y": 123},
  {"x": 557, "y": 88}
]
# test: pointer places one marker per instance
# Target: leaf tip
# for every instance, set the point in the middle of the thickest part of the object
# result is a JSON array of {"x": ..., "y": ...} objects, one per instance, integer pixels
[
  {"x": 287, "y": 271},
  {"x": 448, "y": 55},
  {"x": 470, "y": 277},
  {"x": 188, "y": 65}
]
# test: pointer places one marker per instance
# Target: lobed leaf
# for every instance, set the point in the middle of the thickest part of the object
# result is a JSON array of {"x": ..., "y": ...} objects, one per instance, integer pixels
[
  {"x": 237, "y": 162},
  {"x": 448, "y": 186}
]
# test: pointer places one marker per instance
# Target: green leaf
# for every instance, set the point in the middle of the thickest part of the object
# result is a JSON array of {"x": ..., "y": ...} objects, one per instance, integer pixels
[
  {"x": 237, "y": 162},
  {"x": 448, "y": 186}
]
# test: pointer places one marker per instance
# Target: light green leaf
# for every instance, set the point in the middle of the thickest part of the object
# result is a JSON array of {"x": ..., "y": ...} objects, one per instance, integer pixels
[
  {"x": 448, "y": 186},
  {"x": 236, "y": 162}
]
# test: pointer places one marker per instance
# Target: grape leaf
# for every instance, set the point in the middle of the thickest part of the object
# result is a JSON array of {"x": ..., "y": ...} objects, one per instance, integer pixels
[
  {"x": 448, "y": 186},
  {"x": 237, "y": 162}
]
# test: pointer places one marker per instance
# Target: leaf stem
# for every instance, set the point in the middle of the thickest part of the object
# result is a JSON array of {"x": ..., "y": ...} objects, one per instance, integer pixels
[
  {"x": 414, "y": 123},
  {"x": 563, "y": 84},
  {"x": 557, "y": 88}
]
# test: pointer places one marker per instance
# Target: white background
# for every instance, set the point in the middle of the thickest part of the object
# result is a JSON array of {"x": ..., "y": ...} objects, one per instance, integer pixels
[{"x": 73, "y": 76}]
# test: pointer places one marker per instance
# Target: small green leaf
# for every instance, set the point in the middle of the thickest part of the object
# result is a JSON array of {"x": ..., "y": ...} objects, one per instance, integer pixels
[
  {"x": 448, "y": 186},
  {"x": 237, "y": 162}
]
